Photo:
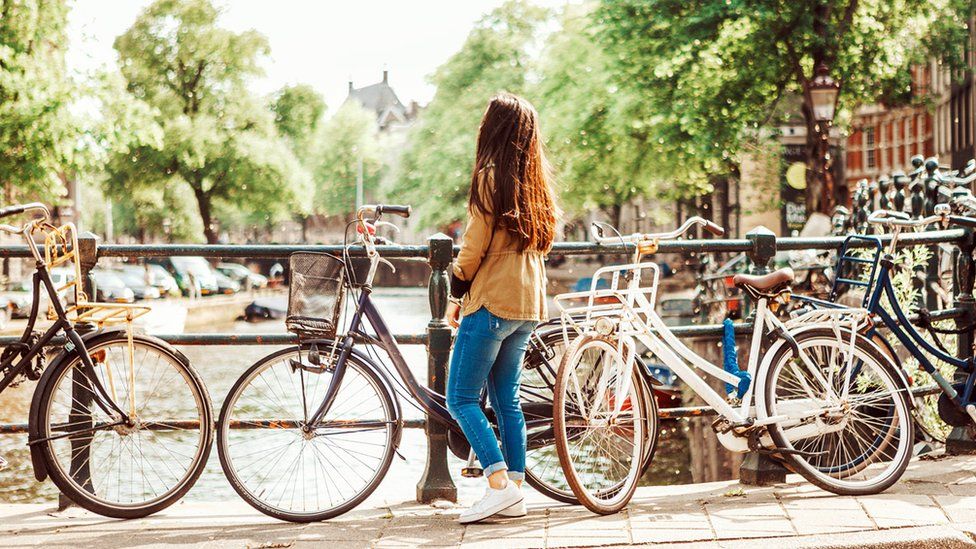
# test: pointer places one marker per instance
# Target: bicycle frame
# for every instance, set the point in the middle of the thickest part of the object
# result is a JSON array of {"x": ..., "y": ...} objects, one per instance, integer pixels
[
  {"x": 879, "y": 288},
  {"x": 432, "y": 403},
  {"x": 631, "y": 314},
  {"x": 61, "y": 323},
  {"x": 902, "y": 328}
]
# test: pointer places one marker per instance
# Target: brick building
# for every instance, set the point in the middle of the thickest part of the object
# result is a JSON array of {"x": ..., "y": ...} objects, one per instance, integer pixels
[{"x": 884, "y": 139}]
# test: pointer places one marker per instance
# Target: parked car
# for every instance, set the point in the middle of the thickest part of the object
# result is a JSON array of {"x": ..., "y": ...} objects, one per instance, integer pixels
[
  {"x": 20, "y": 294},
  {"x": 242, "y": 275},
  {"x": 189, "y": 270},
  {"x": 109, "y": 288},
  {"x": 154, "y": 275},
  {"x": 162, "y": 280},
  {"x": 225, "y": 285},
  {"x": 137, "y": 280}
]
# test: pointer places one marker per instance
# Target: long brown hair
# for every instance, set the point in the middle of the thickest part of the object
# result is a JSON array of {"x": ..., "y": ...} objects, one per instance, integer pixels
[{"x": 510, "y": 149}]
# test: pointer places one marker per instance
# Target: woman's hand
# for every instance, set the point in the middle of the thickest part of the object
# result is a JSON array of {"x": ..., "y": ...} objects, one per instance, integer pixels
[{"x": 453, "y": 314}]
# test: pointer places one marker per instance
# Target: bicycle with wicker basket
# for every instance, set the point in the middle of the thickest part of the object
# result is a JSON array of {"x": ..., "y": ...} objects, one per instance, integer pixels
[
  {"x": 814, "y": 390},
  {"x": 308, "y": 432},
  {"x": 119, "y": 420}
]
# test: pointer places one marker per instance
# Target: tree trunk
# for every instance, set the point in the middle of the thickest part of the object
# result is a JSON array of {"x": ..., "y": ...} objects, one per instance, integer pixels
[{"x": 203, "y": 203}]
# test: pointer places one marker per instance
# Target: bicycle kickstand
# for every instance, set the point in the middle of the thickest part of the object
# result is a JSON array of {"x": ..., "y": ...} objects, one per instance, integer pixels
[{"x": 472, "y": 469}]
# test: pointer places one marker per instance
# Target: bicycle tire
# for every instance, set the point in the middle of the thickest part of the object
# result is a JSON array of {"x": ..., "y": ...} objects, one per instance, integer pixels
[
  {"x": 621, "y": 492},
  {"x": 358, "y": 364},
  {"x": 78, "y": 494},
  {"x": 822, "y": 476}
]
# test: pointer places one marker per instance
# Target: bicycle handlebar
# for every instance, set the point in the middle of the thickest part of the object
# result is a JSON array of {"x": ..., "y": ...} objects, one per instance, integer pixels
[
  {"x": 709, "y": 226},
  {"x": 901, "y": 219},
  {"x": 21, "y": 208},
  {"x": 370, "y": 210}
]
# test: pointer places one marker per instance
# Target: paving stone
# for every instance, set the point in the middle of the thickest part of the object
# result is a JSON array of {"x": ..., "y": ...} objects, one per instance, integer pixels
[
  {"x": 503, "y": 543},
  {"x": 899, "y": 510},
  {"x": 671, "y": 527},
  {"x": 960, "y": 509},
  {"x": 758, "y": 520}
]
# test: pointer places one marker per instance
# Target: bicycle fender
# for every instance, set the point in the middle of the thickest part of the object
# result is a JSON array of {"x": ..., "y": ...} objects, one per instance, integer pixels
[{"x": 33, "y": 427}]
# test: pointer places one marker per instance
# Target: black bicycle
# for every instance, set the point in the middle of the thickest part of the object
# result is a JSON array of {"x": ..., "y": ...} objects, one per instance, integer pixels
[
  {"x": 119, "y": 421},
  {"x": 307, "y": 433}
]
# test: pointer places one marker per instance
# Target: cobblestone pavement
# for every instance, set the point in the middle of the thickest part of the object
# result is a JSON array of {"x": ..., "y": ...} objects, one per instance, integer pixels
[{"x": 933, "y": 506}]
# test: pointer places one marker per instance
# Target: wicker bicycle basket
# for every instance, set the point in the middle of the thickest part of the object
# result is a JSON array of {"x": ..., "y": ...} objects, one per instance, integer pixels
[{"x": 315, "y": 295}]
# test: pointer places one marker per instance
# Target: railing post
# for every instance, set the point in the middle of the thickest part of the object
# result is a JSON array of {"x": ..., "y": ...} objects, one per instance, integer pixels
[
  {"x": 81, "y": 394},
  {"x": 960, "y": 440},
  {"x": 436, "y": 483},
  {"x": 756, "y": 468}
]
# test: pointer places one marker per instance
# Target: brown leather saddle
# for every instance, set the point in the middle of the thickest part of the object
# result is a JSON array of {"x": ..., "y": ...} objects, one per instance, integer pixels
[{"x": 768, "y": 285}]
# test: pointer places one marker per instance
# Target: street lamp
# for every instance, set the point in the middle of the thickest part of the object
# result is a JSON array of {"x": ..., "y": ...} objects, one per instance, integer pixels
[
  {"x": 823, "y": 94},
  {"x": 823, "y": 91}
]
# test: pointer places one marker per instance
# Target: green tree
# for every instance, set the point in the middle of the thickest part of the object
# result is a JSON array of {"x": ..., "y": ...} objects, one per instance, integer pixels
[
  {"x": 435, "y": 169},
  {"x": 219, "y": 141},
  {"x": 346, "y": 141},
  {"x": 599, "y": 155},
  {"x": 38, "y": 134},
  {"x": 713, "y": 71},
  {"x": 298, "y": 111}
]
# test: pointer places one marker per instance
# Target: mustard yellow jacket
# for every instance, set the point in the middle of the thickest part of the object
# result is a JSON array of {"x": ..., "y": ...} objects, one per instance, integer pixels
[{"x": 494, "y": 275}]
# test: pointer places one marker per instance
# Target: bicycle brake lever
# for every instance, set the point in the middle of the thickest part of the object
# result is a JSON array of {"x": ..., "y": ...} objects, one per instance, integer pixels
[
  {"x": 388, "y": 264},
  {"x": 379, "y": 224}
]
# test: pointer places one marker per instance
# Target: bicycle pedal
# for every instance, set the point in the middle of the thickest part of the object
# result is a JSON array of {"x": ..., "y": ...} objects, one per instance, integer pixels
[{"x": 472, "y": 472}]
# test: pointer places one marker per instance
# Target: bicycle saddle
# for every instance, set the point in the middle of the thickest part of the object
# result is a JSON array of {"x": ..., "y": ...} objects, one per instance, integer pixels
[{"x": 766, "y": 284}]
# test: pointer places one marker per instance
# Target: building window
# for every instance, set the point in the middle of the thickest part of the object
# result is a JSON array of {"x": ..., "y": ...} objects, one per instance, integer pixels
[{"x": 870, "y": 159}]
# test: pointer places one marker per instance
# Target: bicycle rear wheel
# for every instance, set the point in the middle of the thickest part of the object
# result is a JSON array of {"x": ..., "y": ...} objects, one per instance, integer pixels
[
  {"x": 134, "y": 469},
  {"x": 862, "y": 441},
  {"x": 604, "y": 424},
  {"x": 542, "y": 469},
  {"x": 304, "y": 475}
]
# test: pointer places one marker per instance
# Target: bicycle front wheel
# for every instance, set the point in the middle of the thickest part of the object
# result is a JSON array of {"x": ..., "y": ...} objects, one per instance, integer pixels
[
  {"x": 860, "y": 441},
  {"x": 125, "y": 469},
  {"x": 295, "y": 473},
  {"x": 603, "y": 423}
]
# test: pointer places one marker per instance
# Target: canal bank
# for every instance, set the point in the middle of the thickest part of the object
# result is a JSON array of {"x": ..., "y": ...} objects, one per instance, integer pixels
[{"x": 931, "y": 507}]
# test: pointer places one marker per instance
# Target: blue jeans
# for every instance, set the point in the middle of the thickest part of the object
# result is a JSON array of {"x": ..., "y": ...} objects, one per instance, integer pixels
[{"x": 489, "y": 349}]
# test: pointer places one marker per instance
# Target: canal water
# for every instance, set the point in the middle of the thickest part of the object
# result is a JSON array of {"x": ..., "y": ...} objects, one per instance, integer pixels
[{"x": 406, "y": 311}]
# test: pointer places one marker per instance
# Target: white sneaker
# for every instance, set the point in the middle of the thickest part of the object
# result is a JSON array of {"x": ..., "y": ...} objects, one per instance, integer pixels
[
  {"x": 515, "y": 511},
  {"x": 493, "y": 502}
]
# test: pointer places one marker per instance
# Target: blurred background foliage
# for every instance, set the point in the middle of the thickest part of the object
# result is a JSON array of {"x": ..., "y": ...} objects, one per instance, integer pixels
[{"x": 649, "y": 99}]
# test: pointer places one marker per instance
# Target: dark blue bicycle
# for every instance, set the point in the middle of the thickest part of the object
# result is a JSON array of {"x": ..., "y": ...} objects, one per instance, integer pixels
[{"x": 873, "y": 271}]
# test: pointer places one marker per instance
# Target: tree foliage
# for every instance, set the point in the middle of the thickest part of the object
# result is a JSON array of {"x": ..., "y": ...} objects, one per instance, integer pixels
[
  {"x": 435, "y": 169},
  {"x": 345, "y": 140},
  {"x": 39, "y": 137},
  {"x": 599, "y": 155},
  {"x": 713, "y": 71},
  {"x": 298, "y": 110},
  {"x": 219, "y": 141}
]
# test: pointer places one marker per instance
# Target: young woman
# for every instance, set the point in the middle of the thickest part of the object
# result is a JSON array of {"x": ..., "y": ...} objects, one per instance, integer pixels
[{"x": 500, "y": 275}]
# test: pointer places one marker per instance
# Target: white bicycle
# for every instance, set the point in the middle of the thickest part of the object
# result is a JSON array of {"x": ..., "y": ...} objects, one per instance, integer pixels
[{"x": 814, "y": 391}]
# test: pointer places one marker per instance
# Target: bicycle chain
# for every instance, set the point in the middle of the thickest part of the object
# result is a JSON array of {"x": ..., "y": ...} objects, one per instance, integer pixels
[{"x": 14, "y": 351}]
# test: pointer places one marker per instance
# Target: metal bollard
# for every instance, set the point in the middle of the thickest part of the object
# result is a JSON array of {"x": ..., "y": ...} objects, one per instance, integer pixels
[
  {"x": 436, "y": 483},
  {"x": 960, "y": 440},
  {"x": 81, "y": 393},
  {"x": 756, "y": 468}
]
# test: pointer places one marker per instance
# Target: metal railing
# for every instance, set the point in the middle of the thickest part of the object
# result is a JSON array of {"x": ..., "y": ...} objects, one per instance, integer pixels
[{"x": 760, "y": 245}]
